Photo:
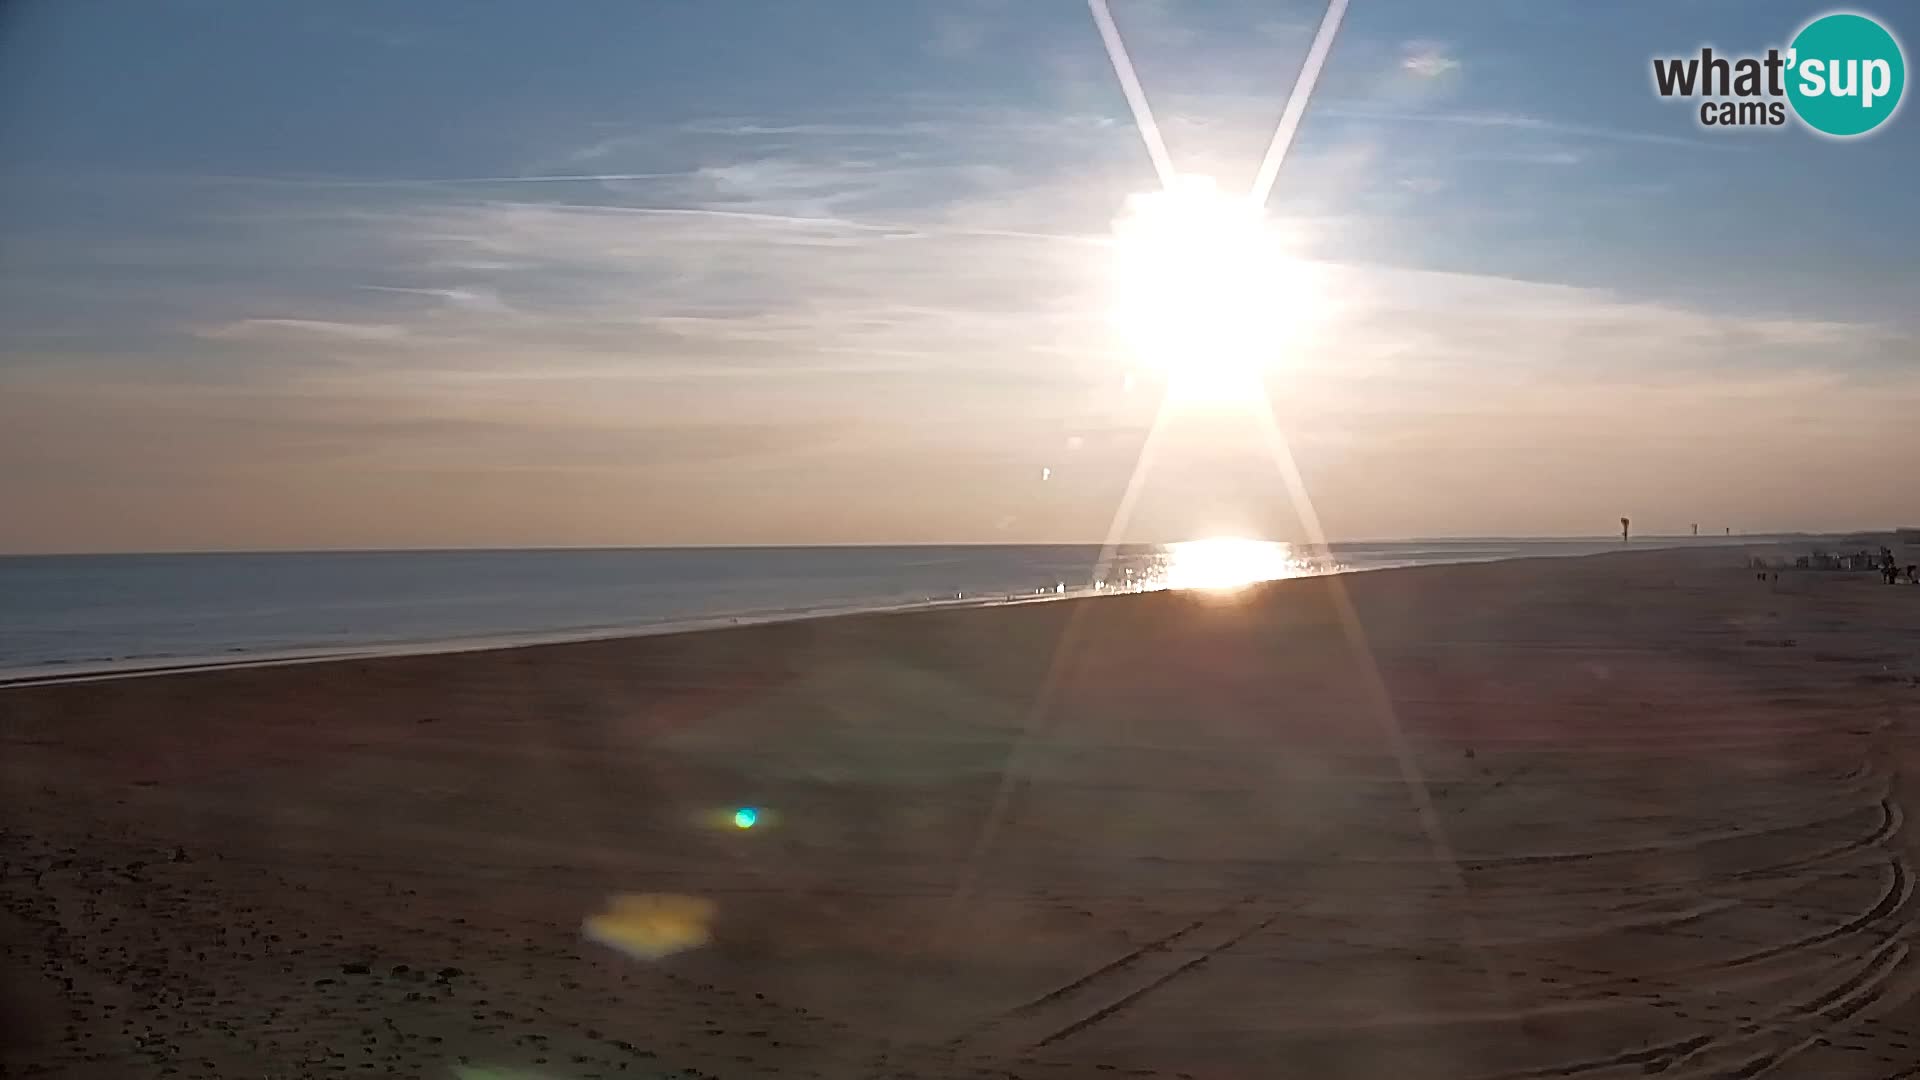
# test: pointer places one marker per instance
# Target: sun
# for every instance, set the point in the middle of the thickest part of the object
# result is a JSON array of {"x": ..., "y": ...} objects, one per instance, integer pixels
[{"x": 1204, "y": 291}]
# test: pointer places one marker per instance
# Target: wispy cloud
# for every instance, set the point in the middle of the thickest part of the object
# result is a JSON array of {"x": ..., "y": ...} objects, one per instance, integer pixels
[
  {"x": 350, "y": 182},
  {"x": 686, "y": 293},
  {"x": 900, "y": 318},
  {"x": 281, "y": 329},
  {"x": 471, "y": 299},
  {"x": 1517, "y": 122},
  {"x": 877, "y": 306},
  {"x": 1428, "y": 60}
]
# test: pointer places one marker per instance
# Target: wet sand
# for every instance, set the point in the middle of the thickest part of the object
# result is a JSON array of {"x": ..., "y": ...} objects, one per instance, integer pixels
[{"x": 1607, "y": 817}]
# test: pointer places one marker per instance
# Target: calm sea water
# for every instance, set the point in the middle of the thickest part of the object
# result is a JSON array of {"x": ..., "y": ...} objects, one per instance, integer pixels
[{"x": 79, "y": 614}]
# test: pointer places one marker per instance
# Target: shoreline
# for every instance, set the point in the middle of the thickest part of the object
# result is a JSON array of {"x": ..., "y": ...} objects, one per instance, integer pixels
[
  {"x": 46, "y": 675},
  {"x": 146, "y": 667}
]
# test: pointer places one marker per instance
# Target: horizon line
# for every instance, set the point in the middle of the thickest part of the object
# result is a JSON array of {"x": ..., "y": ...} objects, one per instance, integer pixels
[{"x": 870, "y": 545}]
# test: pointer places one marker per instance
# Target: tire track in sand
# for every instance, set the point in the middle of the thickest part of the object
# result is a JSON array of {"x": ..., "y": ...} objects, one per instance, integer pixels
[
  {"x": 1804, "y": 1023},
  {"x": 1118, "y": 984}
]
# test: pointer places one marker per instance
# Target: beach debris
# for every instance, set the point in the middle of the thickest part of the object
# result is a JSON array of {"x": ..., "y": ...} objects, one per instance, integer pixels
[{"x": 650, "y": 926}]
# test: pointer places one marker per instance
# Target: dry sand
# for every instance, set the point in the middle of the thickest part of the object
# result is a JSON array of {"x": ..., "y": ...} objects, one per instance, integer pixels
[{"x": 1628, "y": 815}]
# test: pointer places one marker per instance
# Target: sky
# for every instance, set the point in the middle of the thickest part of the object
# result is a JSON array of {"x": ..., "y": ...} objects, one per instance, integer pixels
[{"x": 280, "y": 274}]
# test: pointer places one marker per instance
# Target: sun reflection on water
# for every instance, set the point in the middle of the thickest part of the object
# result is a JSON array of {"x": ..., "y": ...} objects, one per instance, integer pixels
[
  {"x": 1230, "y": 563},
  {"x": 1219, "y": 564}
]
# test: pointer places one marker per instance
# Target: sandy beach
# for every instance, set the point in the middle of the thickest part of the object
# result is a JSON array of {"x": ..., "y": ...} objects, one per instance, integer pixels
[{"x": 1604, "y": 817}]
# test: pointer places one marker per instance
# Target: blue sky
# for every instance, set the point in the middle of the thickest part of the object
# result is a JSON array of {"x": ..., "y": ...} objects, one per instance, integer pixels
[{"x": 298, "y": 274}]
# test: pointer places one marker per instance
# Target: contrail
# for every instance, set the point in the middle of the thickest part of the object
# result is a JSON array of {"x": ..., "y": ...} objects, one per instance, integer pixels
[
  {"x": 1136, "y": 97},
  {"x": 432, "y": 181},
  {"x": 568, "y": 178},
  {"x": 899, "y": 230},
  {"x": 1297, "y": 101}
]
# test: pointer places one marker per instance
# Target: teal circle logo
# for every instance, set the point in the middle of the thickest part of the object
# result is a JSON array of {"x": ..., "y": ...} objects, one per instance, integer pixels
[{"x": 1845, "y": 73}]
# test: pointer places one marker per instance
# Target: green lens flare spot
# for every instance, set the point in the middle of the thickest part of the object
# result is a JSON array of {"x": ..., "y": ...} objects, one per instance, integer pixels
[{"x": 746, "y": 818}]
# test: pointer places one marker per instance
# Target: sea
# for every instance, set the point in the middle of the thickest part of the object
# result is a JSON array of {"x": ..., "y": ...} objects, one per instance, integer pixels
[{"x": 63, "y": 616}]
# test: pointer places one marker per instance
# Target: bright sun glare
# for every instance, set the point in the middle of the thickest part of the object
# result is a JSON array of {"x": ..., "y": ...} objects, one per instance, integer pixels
[
  {"x": 1204, "y": 291},
  {"x": 1227, "y": 563}
]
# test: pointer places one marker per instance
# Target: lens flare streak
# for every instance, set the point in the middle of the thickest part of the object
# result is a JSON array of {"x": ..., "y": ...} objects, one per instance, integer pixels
[
  {"x": 1136, "y": 95},
  {"x": 1296, "y": 106}
]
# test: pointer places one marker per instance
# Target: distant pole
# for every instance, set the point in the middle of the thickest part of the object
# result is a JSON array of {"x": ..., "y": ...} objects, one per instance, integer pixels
[
  {"x": 1729, "y": 530},
  {"x": 1696, "y": 529},
  {"x": 1624, "y": 525}
]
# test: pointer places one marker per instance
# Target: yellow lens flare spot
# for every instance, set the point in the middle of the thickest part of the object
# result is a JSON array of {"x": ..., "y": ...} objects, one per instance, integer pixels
[{"x": 650, "y": 926}]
